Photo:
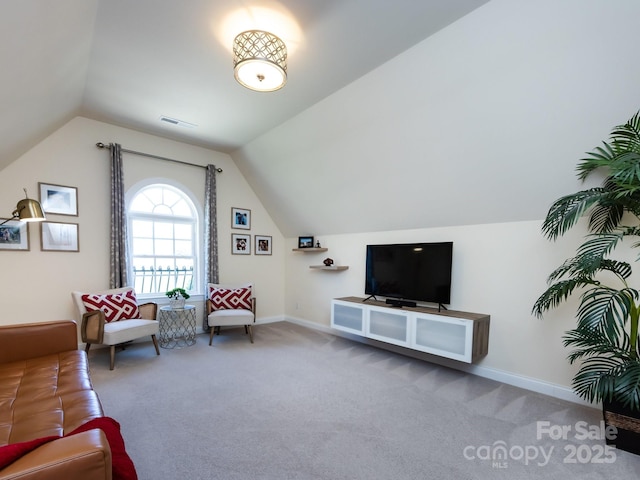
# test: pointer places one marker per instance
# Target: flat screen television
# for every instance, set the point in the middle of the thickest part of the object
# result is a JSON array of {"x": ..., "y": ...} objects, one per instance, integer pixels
[{"x": 410, "y": 271}]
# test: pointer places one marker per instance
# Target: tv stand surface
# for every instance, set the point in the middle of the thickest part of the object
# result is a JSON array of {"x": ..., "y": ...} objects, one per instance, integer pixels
[{"x": 462, "y": 336}]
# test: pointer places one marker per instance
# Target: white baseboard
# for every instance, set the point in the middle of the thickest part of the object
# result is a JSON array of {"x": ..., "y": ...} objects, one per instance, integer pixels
[
  {"x": 313, "y": 325},
  {"x": 277, "y": 318},
  {"x": 509, "y": 378}
]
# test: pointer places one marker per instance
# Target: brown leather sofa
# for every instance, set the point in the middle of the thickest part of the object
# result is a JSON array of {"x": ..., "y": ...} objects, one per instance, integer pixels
[{"x": 45, "y": 390}]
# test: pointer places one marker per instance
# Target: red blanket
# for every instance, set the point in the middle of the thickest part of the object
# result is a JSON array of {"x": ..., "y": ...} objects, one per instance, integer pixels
[{"x": 122, "y": 465}]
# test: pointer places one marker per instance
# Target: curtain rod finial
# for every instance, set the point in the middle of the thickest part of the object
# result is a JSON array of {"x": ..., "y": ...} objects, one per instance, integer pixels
[{"x": 100, "y": 145}]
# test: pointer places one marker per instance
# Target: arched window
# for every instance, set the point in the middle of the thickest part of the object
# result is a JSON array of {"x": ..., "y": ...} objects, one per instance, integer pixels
[{"x": 163, "y": 225}]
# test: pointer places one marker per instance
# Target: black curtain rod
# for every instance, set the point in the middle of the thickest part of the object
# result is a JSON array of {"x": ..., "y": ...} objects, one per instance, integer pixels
[{"x": 124, "y": 150}]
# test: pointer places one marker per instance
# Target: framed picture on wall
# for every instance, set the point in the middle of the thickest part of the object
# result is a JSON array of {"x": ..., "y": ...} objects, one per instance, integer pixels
[
  {"x": 240, "y": 244},
  {"x": 59, "y": 237},
  {"x": 58, "y": 199},
  {"x": 263, "y": 245},
  {"x": 14, "y": 235},
  {"x": 305, "y": 242},
  {"x": 240, "y": 218}
]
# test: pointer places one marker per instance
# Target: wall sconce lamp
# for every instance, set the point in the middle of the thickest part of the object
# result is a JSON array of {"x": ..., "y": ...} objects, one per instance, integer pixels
[
  {"x": 260, "y": 61},
  {"x": 27, "y": 210}
]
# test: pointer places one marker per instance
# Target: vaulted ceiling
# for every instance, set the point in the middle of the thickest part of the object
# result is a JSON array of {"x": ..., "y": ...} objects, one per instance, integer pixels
[
  {"x": 132, "y": 62},
  {"x": 397, "y": 115}
]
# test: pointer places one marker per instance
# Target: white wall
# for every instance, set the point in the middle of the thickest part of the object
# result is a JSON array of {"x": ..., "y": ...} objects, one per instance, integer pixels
[
  {"x": 498, "y": 269},
  {"x": 36, "y": 285},
  {"x": 468, "y": 136}
]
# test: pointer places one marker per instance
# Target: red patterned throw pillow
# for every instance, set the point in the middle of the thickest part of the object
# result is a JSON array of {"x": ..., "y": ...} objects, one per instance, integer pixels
[
  {"x": 230, "y": 298},
  {"x": 119, "y": 306}
]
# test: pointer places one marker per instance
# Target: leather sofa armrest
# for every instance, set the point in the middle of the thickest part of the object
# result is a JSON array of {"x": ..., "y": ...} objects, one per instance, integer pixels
[
  {"x": 83, "y": 456},
  {"x": 29, "y": 340}
]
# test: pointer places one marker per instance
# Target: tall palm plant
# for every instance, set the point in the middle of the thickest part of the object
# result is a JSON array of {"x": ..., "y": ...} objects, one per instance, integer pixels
[{"x": 606, "y": 335}]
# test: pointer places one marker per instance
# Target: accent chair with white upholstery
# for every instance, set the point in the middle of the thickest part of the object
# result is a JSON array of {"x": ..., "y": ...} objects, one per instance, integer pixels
[
  {"x": 230, "y": 305},
  {"x": 113, "y": 317}
]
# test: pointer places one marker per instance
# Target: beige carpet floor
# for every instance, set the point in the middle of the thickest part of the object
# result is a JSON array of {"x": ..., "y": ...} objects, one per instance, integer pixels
[{"x": 303, "y": 404}]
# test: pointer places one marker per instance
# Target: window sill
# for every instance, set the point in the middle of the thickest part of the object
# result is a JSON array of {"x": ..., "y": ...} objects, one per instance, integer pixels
[{"x": 161, "y": 298}]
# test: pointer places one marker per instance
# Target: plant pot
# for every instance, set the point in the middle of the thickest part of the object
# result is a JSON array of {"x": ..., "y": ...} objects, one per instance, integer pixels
[
  {"x": 627, "y": 422},
  {"x": 177, "y": 303}
]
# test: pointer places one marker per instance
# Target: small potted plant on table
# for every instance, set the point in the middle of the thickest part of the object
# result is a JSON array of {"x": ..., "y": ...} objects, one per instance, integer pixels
[{"x": 177, "y": 298}]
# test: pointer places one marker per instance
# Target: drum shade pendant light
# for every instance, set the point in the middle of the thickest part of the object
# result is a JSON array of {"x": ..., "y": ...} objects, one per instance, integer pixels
[{"x": 260, "y": 61}]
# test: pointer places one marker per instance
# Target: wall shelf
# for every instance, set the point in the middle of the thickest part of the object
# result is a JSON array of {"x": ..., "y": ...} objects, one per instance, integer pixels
[
  {"x": 337, "y": 268},
  {"x": 334, "y": 268}
]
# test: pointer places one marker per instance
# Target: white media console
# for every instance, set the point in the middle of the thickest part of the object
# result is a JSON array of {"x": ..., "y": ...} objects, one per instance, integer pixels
[{"x": 461, "y": 336}]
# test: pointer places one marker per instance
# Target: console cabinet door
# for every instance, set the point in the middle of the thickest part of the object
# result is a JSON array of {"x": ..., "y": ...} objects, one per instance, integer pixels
[
  {"x": 458, "y": 338},
  {"x": 348, "y": 317},
  {"x": 445, "y": 336},
  {"x": 388, "y": 325}
]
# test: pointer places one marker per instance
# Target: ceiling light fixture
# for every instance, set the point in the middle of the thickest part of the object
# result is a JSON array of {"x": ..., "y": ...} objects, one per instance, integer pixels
[{"x": 260, "y": 61}]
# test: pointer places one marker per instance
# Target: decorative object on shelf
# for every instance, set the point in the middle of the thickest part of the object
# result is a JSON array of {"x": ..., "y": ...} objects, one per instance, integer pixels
[
  {"x": 240, "y": 218},
  {"x": 263, "y": 245},
  {"x": 605, "y": 339},
  {"x": 59, "y": 199},
  {"x": 177, "y": 297},
  {"x": 27, "y": 210},
  {"x": 240, "y": 244},
  {"x": 318, "y": 244},
  {"x": 260, "y": 61},
  {"x": 328, "y": 262},
  {"x": 305, "y": 242},
  {"x": 14, "y": 235},
  {"x": 59, "y": 237}
]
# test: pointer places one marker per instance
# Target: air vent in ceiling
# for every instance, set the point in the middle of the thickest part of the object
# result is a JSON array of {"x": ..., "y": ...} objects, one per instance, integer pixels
[{"x": 175, "y": 121}]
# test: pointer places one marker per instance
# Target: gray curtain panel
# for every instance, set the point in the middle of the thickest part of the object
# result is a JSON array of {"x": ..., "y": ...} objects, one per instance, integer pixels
[
  {"x": 118, "y": 274},
  {"x": 210, "y": 235}
]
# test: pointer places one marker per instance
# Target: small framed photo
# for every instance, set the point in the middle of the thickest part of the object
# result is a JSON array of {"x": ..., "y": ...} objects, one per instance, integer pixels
[
  {"x": 263, "y": 244},
  {"x": 240, "y": 218},
  {"x": 14, "y": 235},
  {"x": 58, "y": 199},
  {"x": 59, "y": 237},
  {"x": 305, "y": 242},
  {"x": 240, "y": 244}
]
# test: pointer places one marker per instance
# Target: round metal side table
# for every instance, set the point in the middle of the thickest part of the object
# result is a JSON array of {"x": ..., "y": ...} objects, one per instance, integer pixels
[{"x": 177, "y": 326}]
